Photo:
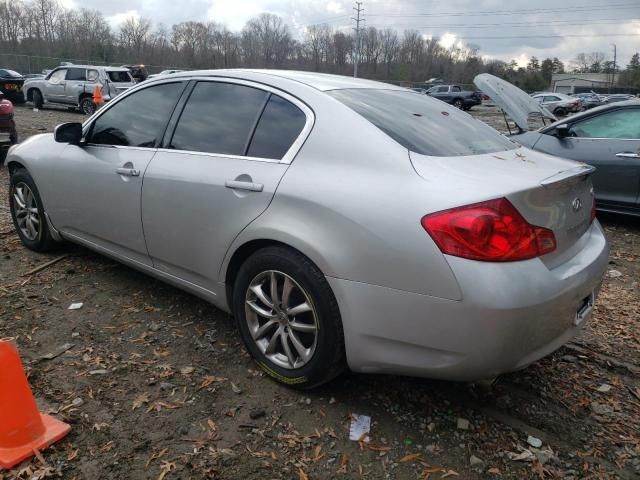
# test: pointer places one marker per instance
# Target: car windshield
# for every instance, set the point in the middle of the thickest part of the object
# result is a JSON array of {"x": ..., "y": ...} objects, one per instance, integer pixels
[
  {"x": 119, "y": 76},
  {"x": 423, "y": 125}
]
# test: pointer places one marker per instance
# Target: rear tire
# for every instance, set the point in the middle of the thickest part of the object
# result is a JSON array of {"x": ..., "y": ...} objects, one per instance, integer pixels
[
  {"x": 458, "y": 103},
  {"x": 27, "y": 213},
  {"x": 38, "y": 101},
  {"x": 296, "y": 338},
  {"x": 560, "y": 112}
]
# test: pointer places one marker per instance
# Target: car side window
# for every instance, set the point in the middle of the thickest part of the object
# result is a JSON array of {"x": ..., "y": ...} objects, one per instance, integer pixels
[
  {"x": 279, "y": 126},
  {"x": 58, "y": 76},
  {"x": 139, "y": 119},
  {"x": 219, "y": 118},
  {"x": 92, "y": 75},
  {"x": 443, "y": 89},
  {"x": 623, "y": 123},
  {"x": 456, "y": 89},
  {"x": 77, "y": 74}
]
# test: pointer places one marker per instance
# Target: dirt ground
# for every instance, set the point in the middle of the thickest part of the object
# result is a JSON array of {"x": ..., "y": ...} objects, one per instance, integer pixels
[{"x": 156, "y": 384}]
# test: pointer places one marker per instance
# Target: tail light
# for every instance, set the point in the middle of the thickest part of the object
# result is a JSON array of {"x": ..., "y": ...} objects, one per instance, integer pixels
[
  {"x": 492, "y": 231},
  {"x": 6, "y": 107}
]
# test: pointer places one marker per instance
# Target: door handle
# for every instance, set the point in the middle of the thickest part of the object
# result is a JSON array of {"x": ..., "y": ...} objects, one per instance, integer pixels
[
  {"x": 239, "y": 185},
  {"x": 128, "y": 172},
  {"x": 627, "y": 155}
]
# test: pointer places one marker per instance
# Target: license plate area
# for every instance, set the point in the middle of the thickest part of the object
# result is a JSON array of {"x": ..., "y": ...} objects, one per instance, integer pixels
[{"x": 585, "y": 309}]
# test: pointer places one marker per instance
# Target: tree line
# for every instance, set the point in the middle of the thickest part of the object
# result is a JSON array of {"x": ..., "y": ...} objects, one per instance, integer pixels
[{"x": 45, "y": 28}]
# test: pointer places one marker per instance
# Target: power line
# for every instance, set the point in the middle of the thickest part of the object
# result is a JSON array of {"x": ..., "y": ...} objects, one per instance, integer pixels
[
  {"x": 585, "y": 8},
  {"x": 612, "y": 21},
  {"x": 589, "y": 35}
]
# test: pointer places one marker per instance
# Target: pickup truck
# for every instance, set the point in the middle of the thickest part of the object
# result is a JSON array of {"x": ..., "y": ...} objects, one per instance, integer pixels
[
  {"x": 455, "y": 95},
  {"x": 73, "y": 86}
]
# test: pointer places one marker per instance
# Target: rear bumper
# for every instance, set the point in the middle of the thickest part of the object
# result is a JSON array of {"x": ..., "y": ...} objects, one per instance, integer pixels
[
  {"x": 8, "y": 133},
  {"x": 511, "y": 315}
]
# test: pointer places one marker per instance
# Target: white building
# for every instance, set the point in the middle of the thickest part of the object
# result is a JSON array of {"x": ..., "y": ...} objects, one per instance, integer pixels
[{"x": 567, "y": 82}]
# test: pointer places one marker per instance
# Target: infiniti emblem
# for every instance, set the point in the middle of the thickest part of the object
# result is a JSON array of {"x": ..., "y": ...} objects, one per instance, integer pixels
[{"x": 576, "y": 204}]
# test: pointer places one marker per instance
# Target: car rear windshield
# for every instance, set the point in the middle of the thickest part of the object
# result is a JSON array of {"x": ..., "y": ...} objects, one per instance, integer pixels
[
  {"x": 119, "y": 77},
  {"x": 423, "y": 125},
  {"x": 9, "y": 73}
]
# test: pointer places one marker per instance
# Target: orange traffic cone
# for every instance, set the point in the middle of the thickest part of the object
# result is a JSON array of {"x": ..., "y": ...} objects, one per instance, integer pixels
[
  {"x": 22, "y": 427},
  {"x": 97, "y": 96}
]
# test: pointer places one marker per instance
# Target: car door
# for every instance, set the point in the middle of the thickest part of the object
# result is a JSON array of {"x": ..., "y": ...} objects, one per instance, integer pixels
[
  {"x": 609, "y": 141},
  {"x": 98, "y": 183},
  {"x": 54, "y": 87},
  {"x": 230, "y": 147},
  {"x": 74, "y": 84}
]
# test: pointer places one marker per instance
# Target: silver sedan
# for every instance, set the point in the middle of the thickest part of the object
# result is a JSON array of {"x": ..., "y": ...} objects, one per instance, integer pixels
[{"x": 345, "y": 223}]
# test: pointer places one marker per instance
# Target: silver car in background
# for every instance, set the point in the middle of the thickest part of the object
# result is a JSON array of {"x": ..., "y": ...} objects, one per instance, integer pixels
[
  {"x": 74, "y": 85},
  {"x": 343, "y": 222}
]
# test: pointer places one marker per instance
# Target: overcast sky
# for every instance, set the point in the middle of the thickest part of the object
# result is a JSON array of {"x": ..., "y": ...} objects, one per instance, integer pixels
[{"x": 561, "y": 28}]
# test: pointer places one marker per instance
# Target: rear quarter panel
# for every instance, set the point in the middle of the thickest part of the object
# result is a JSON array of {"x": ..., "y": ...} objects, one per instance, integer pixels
[{"x": 352, "y": 203}]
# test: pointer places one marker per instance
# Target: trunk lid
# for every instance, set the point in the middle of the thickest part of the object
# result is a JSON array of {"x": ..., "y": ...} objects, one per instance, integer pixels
[
  {"x": 516, "y": 103},
  {"x": 548, "y": 191}
]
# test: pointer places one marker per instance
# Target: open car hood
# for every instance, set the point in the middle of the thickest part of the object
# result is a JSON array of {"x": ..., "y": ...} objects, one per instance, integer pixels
[{"x": 516, "y": 103}]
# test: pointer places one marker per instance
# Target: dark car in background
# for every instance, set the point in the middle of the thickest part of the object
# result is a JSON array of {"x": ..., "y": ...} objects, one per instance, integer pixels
[
  {"x": 138, "y": 72},
  {"x": 11, "y": 85},
  {"x": 455, "y": 95},
  {"x": 606, "y": 137},
  {"x": 8, "y": 134}
]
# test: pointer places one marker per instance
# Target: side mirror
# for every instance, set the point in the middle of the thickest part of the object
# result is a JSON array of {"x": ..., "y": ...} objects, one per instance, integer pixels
[
  {"x": 562, "y": 130},
  {"x": 68, "y": 133}
]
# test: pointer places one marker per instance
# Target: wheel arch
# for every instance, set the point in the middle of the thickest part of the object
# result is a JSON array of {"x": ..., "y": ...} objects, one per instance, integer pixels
[
  {"x": 14, "y": 165},
  {"x": 242, "y": 253}
]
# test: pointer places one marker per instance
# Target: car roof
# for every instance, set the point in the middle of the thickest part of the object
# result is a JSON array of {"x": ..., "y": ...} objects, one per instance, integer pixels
[
  {"x": 97, "y": 67},
  {"x": 320, "y": 81}
]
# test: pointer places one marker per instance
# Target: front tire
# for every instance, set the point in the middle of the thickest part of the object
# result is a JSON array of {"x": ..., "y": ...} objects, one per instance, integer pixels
[
  {"x": 288, "y": 318},
  {"x": 27, "y": 213},
  {"x": 38, "y": 101}
]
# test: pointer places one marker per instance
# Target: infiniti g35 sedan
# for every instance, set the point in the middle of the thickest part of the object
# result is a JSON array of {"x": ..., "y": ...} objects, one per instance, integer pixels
[{"x": 345, "y": 223}]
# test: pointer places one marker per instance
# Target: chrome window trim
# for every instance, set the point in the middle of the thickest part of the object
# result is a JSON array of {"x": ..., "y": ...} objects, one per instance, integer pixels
[
  {"x": 286, "y": 159},
  {"x": 220, "y": 155}
]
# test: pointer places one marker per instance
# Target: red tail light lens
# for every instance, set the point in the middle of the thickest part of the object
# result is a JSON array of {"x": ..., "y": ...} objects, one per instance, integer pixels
[
  {"x": 492, "y": 231},
  {"x": 6, "y": 107}
]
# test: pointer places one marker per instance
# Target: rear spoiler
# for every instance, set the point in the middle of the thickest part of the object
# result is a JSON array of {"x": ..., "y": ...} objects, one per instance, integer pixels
[{"x": 573, "y": 175}]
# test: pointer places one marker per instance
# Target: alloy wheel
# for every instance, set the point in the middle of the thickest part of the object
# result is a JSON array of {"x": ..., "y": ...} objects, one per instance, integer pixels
[
  {"x": 282, "y": 319},
  {"x": 26, "y": 211}
]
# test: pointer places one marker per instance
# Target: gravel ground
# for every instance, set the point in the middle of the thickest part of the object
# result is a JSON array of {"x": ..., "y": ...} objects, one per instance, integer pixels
[{"x": 155, "y": 384}]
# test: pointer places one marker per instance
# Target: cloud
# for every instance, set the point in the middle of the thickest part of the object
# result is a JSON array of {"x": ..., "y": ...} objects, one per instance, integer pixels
[
  {"x": 119, "y": 18},
  {"x": 543, "y": 28}
]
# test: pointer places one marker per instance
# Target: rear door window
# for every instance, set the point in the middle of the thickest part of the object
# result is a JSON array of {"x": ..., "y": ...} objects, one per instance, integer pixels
[
  {"x": 77, "y": 74},
  {"x": 139, "y": 119},
  {"x": 279, "y": 126},
  {"x": 219, "y": 118},
  {"x": 92, "y": 75},
  {"x": 456, "y": 89},
  {"x": 422, "y": 124}
]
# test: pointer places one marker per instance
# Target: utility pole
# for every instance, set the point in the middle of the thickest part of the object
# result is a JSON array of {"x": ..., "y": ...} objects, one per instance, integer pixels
[
  {"x": 613, "y": 76},
  {"x": 358, "y": 10}
]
